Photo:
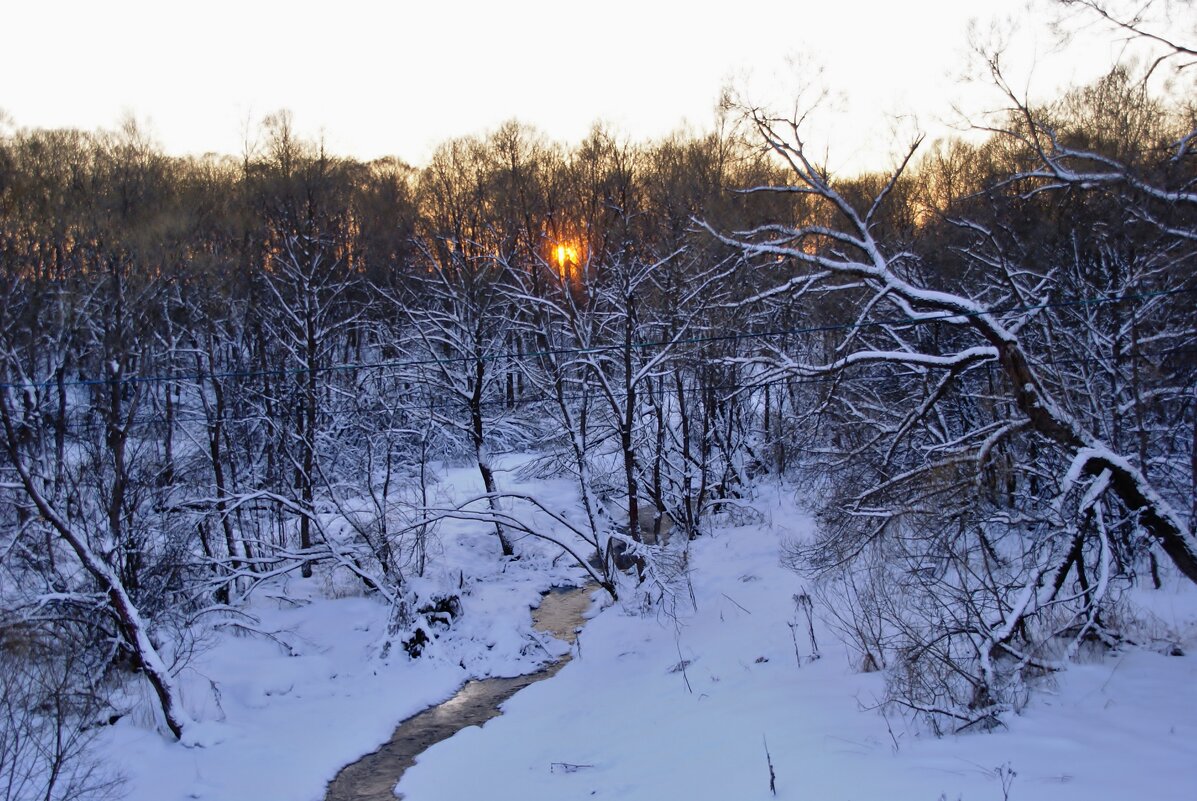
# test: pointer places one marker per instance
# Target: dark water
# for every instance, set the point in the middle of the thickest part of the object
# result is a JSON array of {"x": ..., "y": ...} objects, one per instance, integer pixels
[{"x": 373, "y": 777}]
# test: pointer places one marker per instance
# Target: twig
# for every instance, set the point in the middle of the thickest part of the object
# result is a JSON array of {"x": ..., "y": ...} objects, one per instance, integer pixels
[
  {"x": 536, "y": 640},
  {"x": 889, "y": 728},
  {"x": 804, "y": 603},
  {"x": 794, "y": 637},
  {"x": 1005, "y": 774},
  {"x": 769, "y": 762},
  {"x": 682, "y": 664},
  {"x": 733, "y": 600}
]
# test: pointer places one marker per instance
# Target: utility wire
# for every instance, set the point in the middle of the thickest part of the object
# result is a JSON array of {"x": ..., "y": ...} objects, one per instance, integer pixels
[
  {"x": 515, "y": 356},
  {"x": 524, "y": 400}
]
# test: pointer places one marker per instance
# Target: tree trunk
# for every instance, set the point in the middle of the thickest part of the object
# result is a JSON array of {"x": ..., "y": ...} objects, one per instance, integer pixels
[{"x": 119, "y": 600}]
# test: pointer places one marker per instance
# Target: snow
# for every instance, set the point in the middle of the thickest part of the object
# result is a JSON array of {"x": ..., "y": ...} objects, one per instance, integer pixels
[
  {"x": 624, "y": 720},
  {"x": 278, "y": 721},
  {"x": 1121, "y": 727},
  {"x": 287, "y": 721}
]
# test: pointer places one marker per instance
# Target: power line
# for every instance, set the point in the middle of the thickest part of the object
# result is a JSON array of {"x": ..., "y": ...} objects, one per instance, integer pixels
[
  {"x": 517, "y": 356},
  {"x": 532, "y": 400}
]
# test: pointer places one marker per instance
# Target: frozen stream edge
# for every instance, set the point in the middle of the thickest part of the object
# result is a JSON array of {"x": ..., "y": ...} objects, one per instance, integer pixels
[{"x": 374, "y": 776}]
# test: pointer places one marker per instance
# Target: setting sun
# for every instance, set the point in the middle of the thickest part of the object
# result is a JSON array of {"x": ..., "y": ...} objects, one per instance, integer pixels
[{"x": 565, "y": 256}]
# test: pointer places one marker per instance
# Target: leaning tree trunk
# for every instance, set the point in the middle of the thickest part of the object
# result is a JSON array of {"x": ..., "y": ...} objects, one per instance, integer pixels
[{"x": 127, "y": 615}]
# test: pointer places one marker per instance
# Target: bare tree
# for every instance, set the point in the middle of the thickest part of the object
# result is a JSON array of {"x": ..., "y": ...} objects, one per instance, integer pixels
[
  {"x": 934, "y": 386},
  {"x": 48, "y": 718},
  {"x": 135, "y": 631},
  {"x": 462, "y": 323}
]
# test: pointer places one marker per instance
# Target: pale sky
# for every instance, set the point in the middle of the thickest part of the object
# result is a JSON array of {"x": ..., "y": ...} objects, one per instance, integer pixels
[{"x": 378, "y": 78}]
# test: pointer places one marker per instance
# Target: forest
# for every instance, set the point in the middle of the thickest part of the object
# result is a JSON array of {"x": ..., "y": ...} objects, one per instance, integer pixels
[{"x": 219, "y": 371}]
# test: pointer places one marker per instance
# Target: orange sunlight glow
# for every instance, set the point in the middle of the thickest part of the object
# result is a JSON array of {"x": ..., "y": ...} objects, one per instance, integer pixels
[{"x": 566, "y": 255}]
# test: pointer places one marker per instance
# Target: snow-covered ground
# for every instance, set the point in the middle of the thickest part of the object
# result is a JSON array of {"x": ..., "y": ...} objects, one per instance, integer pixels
[
  {"x": 283, "y": 715},
  {"x": 626, "y": 721},
  {"x": 1120, "y": 728}
]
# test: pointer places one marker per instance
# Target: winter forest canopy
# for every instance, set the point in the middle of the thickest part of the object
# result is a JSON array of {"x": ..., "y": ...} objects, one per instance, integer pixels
[{"x": 218, "y": 371}]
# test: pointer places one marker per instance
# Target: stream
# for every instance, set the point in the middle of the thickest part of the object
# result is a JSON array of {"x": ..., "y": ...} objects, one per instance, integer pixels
[{"x": 373, "y": 777}]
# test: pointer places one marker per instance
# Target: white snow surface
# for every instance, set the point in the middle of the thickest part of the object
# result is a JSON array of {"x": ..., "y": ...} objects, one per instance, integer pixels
[
  {"x": 280, "y": 725},
  {"x": 623, "y": 721}
]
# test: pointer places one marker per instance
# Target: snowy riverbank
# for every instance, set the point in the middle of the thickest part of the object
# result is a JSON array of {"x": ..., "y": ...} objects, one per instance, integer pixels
[
  {"x": 1119, "y": 728},
  {"x": 626, "y": 721}
]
